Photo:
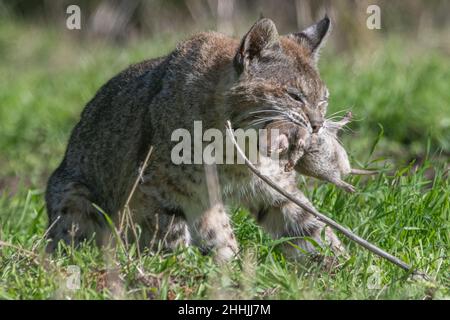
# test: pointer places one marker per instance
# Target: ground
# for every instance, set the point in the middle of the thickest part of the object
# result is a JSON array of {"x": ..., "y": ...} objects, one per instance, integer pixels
[{"x": 400, "y": 101}]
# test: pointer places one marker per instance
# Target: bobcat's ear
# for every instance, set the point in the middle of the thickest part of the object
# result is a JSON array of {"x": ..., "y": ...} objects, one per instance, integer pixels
[
  {"x": 314, "y": 36},
  {"x": 262, "y": 38}
]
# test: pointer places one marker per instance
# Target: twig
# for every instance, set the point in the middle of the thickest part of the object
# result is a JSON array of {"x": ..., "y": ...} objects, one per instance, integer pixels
[
  {"x": 30, "y": 254},
  {"x": 126, "y": 213},
  {"x": 45, "y": 233},
  {"x": 140, "y": 176},
  {"x": 362, "y": 242},
  {"x": 25, "y": 251}
]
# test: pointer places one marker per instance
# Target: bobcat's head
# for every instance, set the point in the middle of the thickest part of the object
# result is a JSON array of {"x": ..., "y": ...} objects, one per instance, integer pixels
[{"x": 278, "y": 80}]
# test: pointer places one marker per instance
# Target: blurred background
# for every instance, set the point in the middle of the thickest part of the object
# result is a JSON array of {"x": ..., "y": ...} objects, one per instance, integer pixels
[{"x": 396, "y": 79}]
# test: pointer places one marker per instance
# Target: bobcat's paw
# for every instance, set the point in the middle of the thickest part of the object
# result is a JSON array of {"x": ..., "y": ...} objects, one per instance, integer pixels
[{"x": 225, "y": 254}]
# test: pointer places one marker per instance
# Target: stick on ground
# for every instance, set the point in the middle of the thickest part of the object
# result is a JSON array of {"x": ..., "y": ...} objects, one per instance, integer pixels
[{"x": 362, "y": 242}]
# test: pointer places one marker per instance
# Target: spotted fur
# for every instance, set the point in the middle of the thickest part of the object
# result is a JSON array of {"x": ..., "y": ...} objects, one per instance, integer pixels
[{"x": 211, "y": 78}]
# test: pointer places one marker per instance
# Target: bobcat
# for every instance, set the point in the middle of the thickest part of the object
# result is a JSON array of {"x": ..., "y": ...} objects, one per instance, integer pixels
[{"x": 210, "y": 78}]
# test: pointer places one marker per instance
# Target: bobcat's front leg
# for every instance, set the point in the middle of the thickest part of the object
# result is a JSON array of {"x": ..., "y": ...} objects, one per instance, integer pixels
[
  {"x": 289, "y": 220},
  {"x": 212, "y": 231}
]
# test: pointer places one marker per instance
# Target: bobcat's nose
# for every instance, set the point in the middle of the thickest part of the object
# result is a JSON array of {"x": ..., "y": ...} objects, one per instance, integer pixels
[{"x": 316, "y": 125}]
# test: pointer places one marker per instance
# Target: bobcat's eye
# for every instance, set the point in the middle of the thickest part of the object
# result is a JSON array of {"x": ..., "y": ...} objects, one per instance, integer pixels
[{"x": 297, "y": 96}]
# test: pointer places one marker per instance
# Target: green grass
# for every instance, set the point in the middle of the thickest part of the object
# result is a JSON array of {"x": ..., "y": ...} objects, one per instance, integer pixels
[{"x": 46, "y": 80}]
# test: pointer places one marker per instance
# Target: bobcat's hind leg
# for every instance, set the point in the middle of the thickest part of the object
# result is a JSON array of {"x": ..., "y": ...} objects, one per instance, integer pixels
[
  {"x": 166, "y": 230},
  {"x": 72, "y": 216},
  {"x": 162, "y": 223}
]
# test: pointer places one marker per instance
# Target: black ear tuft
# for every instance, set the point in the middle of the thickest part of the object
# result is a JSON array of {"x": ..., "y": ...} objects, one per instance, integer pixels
[
  {"x": 262, "y": 36},
  {"x": 314, "y": 36}
]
